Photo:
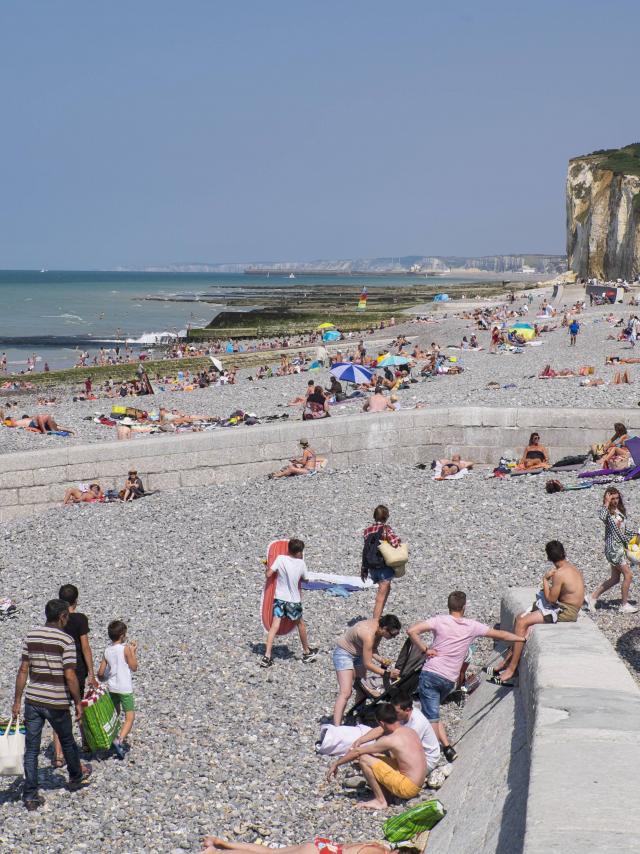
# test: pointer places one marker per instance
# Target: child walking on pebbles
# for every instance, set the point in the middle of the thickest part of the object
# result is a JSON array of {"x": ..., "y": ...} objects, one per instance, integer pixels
[
  {"x": 290, "y": 570},
  {"x": 119, "y": 662}
]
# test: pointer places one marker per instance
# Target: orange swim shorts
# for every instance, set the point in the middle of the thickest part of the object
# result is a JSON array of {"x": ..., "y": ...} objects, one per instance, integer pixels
[{"x": 387, "y": 774}]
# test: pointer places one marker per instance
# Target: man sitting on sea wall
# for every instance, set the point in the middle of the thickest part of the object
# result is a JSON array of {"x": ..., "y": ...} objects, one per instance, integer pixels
[{"x": 559, "y": 601}]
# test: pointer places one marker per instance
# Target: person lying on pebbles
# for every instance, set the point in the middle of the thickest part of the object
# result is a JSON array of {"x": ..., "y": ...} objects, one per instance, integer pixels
[
  {"x": 453, "y": 466},
  {"x": 320, "y": 845},
  {"x": 176, "y": 417},
  {"x": 79, "y": 496},
  {"x": 44, "y": 423}
]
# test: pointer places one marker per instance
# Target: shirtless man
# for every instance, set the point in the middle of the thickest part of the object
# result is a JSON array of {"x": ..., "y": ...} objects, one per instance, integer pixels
[
  {"x": 377, "y": 402},
  {"x": 563, "y": 589},
  {"x": 41, "y": 423},
  {"x": 402, "y": 773},
  {"x": 453, "y": 466}
]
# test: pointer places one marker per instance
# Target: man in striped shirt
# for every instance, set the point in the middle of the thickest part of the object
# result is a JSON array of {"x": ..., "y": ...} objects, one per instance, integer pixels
[{"x": 48, "y": 670}]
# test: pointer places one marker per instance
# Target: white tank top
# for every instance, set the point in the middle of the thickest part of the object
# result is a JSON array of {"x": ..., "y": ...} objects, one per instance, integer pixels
[{"x": 118, "y": 674}]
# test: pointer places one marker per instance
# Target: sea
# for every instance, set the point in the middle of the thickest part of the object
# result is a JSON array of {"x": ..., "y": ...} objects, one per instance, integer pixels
[{"x": 55, "y": 314}]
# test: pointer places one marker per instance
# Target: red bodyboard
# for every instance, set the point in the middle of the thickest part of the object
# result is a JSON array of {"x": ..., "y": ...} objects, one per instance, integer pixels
[{"x": 276, "y": 548}]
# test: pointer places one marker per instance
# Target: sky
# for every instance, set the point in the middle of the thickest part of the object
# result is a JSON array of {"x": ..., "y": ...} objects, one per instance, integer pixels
[{"x": 158, "y": 132}]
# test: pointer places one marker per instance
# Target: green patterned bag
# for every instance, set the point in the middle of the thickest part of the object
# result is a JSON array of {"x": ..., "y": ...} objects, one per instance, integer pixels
[
  {"x": 99, "y": 719},
  {"x": 408, "y": 824}
]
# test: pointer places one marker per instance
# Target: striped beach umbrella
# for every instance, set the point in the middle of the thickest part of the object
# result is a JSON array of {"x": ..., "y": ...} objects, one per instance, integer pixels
[{"x": 351, "y": 373}]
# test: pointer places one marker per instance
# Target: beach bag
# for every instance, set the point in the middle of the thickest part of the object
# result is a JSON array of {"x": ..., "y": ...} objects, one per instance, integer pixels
[
  {"x": 411, "y": 822},
  {"x": 99, "y": 719},
  {"x": 395, "y": 558},
  {"x": 633, "y": 550},
  {"x": 12, "y": 748}
]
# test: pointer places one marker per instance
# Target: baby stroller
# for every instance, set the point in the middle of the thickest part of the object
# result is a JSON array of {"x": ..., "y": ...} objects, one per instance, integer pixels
[{"x": 409, "y": 663}]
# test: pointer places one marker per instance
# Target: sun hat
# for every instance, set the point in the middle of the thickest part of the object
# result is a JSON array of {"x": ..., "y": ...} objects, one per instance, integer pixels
[
  {"x": 127, "y": 422},
  {"x": 304, "y": 442}
]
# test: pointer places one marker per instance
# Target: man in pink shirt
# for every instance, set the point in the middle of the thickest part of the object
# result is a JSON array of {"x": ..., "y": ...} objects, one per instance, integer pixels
[{"x": 453, "y": 634}]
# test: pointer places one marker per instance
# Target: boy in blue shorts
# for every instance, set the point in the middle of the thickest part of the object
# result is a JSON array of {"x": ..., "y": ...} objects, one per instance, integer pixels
[{"x": 290, "y": 570}]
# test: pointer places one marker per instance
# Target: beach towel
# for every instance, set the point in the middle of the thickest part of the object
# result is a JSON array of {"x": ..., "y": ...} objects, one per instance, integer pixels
[
  {"x": 346, "y": 580},
  {"x": 337, "y": 740},
  {"x": 437, "y": 471}
]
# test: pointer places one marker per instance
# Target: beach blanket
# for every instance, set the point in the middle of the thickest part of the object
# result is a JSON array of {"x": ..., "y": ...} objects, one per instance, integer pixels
[{"x": 345, "y": 580}]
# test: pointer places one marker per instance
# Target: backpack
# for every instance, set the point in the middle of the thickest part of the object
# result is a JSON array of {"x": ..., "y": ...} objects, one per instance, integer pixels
[{"x": 371, "y": 557}]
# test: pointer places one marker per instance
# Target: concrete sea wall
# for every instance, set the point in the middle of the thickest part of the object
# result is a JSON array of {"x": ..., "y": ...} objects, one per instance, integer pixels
[
  {"x": 582, "y": 710},
  {"x": 550, "y": 765},
  {"x": 33, "y": 480}
]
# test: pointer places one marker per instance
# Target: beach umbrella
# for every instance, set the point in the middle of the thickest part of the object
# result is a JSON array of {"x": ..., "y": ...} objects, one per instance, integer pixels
[
  {"x": 216, "y": 363},
  {"x": 351, "y": 373},
  {"x": 391, "y": 361},
  {"x": 524, "y": 331},
  {"x": 315, "y": 366},
  {"x": 326, "y": 325},
  {"x": 331, "y": 335},
  {"x": 522, "y": 325}
]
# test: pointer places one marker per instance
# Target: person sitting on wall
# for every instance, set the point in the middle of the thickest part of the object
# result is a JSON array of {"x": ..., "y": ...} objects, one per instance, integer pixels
[{"x": 559, "y": 601}]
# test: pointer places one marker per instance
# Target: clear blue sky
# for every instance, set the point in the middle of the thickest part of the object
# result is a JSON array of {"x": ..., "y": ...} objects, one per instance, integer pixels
[{"x": 156, "y": 131}]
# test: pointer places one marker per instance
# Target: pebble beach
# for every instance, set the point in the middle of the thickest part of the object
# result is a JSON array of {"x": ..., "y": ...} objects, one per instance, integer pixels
[
  {"x": 219, "y": 745},
  {"x": 516, "y": 376}
]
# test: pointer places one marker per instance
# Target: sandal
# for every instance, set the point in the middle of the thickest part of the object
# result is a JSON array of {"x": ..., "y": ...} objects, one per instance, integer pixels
[{"x": 496, "y": 679}]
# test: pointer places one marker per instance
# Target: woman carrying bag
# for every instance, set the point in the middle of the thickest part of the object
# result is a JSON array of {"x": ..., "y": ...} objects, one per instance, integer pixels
[
  {"x": 616, "y": 540},
  {"x": 376, "y": 539}
]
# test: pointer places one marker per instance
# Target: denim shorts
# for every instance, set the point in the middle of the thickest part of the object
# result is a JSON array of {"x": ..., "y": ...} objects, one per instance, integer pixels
[
  {"x": 384, "y": 574},
  {"x": 433, "y": 689},
  {"x": 343, "y": 660}
]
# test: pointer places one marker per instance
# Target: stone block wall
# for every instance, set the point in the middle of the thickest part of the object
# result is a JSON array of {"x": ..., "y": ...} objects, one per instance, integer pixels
[{"x": 33, "y": 480}]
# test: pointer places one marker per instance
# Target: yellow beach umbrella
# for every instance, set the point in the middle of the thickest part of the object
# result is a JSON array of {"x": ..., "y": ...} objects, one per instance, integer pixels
[
  {"x": 326, "y": 325},
  {"x": 382, "y": 358},
  {"x": 526, "y": 332}
]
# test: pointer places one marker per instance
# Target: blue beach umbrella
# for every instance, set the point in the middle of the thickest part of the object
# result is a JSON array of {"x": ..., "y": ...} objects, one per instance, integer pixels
[
  {"x": 392, "y": 361},
  {"x": 332, "y": 335},
  {"x": 351, "y": 373}
]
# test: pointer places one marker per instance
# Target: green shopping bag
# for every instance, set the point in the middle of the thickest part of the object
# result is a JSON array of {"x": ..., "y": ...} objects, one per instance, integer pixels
[
  {"x": 99, "y": 719},
  {"x": 408, "y": 824}
]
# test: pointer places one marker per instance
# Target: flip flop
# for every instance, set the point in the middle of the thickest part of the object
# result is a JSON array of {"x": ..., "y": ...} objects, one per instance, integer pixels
[{"x": 504, "y": 683}]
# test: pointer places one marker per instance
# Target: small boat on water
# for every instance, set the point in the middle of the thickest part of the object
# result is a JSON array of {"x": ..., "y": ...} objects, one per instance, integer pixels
[{"x": 291, "y": 276}]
